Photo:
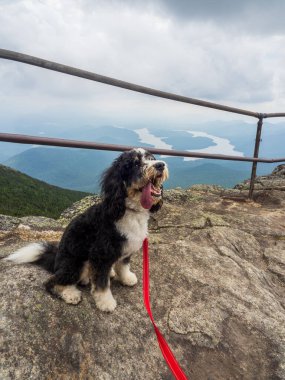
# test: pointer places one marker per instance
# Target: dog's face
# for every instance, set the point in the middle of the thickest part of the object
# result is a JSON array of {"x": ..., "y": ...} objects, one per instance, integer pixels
[
  {"x": 144, "y": 176},
  {"x": 141, "y": 176}
]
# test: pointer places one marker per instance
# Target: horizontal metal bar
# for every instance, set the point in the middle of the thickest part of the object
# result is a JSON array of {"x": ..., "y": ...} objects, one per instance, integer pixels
[
  {"x": 278, "y": 114},
  {"x": 24, "y": 139},
  {"x": 30, "y": 60}
]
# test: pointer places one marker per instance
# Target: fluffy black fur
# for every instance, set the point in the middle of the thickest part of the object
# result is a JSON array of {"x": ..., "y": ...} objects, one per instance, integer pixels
[{"x": 93, "y": 235}]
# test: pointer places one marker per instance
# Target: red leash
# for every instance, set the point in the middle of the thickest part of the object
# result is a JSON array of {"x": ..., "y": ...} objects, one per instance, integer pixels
[{"x": 166, "y": 352}]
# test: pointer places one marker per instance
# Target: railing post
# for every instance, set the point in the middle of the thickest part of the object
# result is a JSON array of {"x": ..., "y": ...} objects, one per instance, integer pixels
[{"x": 255, "y": 155}]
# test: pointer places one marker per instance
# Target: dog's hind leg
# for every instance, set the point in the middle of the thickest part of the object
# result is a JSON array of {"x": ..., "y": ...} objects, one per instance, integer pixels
[
  {"x": 63, "y": 285},
  {"x": 69, "y": 293},
  {"x": 100, "y": 289},
  {"x": 84, "y": 278}
]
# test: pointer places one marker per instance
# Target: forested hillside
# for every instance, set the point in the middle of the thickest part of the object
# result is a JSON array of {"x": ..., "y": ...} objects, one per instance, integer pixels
[{"x": 21, "y": 195}]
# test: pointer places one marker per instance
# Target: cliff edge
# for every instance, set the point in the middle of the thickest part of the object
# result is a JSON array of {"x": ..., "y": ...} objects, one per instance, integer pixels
[{"x": 217, "y": 268}]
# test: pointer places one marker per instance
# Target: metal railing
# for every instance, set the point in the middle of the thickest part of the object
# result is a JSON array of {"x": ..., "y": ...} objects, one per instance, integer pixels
[{"x": 49, "y": 65}]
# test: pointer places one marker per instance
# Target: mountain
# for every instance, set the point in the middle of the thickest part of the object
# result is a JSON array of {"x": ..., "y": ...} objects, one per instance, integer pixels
[
  {"x": 81, "y": 169},
  {"x": 76, "y": 169},
  {"x": 206, "y": 173},
  {"x": 21, "y": 195}
]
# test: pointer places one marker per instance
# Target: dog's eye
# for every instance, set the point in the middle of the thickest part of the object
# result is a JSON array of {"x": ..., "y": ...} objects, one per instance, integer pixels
[
  {"x": 137, "y": 163},
  {"x": 150, "y": 157}
]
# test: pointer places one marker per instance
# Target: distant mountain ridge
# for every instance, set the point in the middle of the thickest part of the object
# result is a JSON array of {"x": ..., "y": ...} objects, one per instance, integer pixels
[
  {"x": 80, "y": 169},
  {"x": 21, "y": 195}
]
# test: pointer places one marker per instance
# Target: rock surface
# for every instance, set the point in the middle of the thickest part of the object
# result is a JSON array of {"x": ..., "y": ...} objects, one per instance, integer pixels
[
  {"x": 217, "y": 268},
  {"x": 77, "y": 208},
  {"x": 276, "y": 180}
]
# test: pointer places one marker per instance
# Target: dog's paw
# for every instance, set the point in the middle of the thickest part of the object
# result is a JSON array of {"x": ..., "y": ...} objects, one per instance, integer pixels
[
  {"x": 108, "y": 306},
  {"x": 129, "y": 279},
  {"x": 71, "y": 295},
  {"x": 105, "y": 301}
]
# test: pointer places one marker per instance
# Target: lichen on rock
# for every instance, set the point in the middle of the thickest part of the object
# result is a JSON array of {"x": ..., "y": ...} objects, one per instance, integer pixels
[{"x": 78, "y": 208}]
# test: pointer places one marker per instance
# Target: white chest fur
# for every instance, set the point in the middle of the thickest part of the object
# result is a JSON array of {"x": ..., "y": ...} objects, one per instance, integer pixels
[{"x": 133, "y": 225}]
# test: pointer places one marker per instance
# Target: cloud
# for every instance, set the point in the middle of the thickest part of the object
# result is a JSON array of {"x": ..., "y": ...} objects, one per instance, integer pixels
[
  {"x": 191, "y": 48},
  {"x": 254, "y": 16}
]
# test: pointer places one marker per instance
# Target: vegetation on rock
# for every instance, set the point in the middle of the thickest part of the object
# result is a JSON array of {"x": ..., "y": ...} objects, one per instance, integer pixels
[{"x": 21, "y": 195}]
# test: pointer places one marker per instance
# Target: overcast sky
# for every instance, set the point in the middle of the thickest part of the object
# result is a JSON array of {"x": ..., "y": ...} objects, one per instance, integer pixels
[{"x": 230, "y": 52}]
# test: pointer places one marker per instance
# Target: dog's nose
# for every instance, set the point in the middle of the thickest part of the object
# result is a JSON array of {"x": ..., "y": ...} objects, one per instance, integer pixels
[{"x": 159, "y": 166}]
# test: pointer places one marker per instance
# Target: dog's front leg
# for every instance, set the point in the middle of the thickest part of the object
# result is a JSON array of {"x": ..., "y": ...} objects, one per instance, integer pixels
[
  {"x": 100, "y": 288},
  {"x": 125, "y": 276}
]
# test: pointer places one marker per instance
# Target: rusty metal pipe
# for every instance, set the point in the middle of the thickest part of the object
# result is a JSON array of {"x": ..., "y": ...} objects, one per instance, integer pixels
[
  {"x": 255, "y": 155},
  {"x": 49, "y": 65},
  {"x": 277, "y": 114},
  {"x": 35, "y": 140}
]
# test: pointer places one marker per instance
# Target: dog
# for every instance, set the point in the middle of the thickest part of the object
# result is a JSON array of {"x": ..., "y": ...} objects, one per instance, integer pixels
[{"x": 98, "y": 244}]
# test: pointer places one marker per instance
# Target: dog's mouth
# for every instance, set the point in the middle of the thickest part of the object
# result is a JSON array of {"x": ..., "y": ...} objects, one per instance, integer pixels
[{"x": 149, "y": 191}]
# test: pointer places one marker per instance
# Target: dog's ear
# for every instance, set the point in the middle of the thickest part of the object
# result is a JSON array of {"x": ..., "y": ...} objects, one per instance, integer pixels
[
  {"x": 159, "y": 204},
  {"x": 114, "y": 191}
]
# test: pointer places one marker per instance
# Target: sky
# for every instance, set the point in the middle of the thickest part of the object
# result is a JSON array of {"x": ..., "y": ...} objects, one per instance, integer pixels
[{"x": 229, "y": 52}]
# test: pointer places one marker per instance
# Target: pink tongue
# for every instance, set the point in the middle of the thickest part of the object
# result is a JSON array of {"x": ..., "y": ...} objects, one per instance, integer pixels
[{"x": 146, "y": 199}]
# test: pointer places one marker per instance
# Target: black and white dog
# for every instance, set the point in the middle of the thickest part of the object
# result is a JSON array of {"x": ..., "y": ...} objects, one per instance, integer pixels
[{"x": 98, "y": 244}]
